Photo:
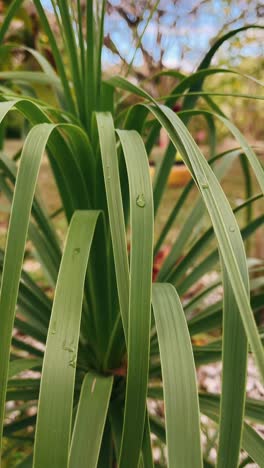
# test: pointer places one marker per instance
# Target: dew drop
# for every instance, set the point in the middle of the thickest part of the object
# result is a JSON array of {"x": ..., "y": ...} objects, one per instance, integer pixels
[
  {"x": 68, "y": 347},
  {"x": 72, "y": 362},
  {"x": 232, "y": 228},
  {"x": 203, "y": 181},
  {"x": 76, "y": 251},
  {"x": 140, "y": 201},
  {"x": 108, "y": 174}
]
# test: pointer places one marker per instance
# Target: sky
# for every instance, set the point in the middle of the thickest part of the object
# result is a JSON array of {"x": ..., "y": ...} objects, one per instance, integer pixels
[{"x": 186, "y": 43}]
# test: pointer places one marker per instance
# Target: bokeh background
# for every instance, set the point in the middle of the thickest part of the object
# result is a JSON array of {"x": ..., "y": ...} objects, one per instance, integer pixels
[{"x": 143, "y": 38}]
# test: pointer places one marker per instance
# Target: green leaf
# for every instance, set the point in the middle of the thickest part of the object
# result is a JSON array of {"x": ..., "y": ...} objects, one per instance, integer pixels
[
  {"x": 146, "y": 446},
  {"x": 16, "y": 239},
  {"x": 19, "y": 365},
  {"x": 225, "y": 226},
  {"x": 19, "y": 221},
  {"x": 201, "y": 244},
  {"x": 254, "y": 409},
  {"x": 70, "y": 42},
  {"x": 57, "y": 55},
  {"x": 248, "y": 151},
  {"x": 58, "y": 375},
  {"x": 252, "y": 442},
  {"x": 198, "y": 211},
  {"x": 9, "y": 15},
  {"x": 116, "y": 420},
  {"x": 31, "y": 77},
  {"x": 90, "y": 420},
  {"x": 234, "y": 375},
  {"x": 152, "y": 11},
  {"x": 179, "y": 380},
  {"x": 115, "y": 210},
  {"x": 223, "y": 220},
  {"x": 207, "y": 264},
  {"x": 189, "y": 102},
  {"x": 73, "y": 172},
  {"x": 26, "y": 463},
  {"x": 141, "y": 216}
]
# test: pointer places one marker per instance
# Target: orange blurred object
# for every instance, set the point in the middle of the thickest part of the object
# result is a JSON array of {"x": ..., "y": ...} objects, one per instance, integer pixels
[{"x": 179, "y": 175}]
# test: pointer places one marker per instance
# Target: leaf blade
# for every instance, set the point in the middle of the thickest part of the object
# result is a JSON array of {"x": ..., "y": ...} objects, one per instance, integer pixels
[
  {"x": 180, "y": 390},
  {"x": 141, "y": 213},
  {"x": 58, "y": 375},
  {"x": 93, "y": 406}
]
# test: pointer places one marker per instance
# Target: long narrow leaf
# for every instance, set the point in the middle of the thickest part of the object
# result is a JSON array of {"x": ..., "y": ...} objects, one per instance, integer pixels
[
  {"x": 23, "y": 198},
  {"x": 115, "y": 209},
  {"x": 90, "y": 421},
  {"x": 58, "y": 375},
  {"x": 178, "y": 371},
  {"x": 141, "y": 213},
  {"x": 226, "y": 229},
  {"x": 13, "y": 8}
]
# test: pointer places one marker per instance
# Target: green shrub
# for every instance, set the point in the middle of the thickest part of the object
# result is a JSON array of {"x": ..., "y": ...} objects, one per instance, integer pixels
[{"x": 114, "y": 339}]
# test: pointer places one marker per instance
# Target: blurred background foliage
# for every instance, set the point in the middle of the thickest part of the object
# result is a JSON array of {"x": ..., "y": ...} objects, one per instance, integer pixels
[{"x": 176, "y": 35}]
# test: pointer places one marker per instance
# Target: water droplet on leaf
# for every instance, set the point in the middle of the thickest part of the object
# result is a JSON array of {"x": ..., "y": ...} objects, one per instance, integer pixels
[
  {"x": 203, "y": 180},
  {"x": 141, "y": 202},
  {"x": 72, "y": 362},
  {"x": 232, "y": 228},
  {"x": 76, "y": 251},
  {"x": 107, "y": 172},
  {"x": 68, "y": 347}
]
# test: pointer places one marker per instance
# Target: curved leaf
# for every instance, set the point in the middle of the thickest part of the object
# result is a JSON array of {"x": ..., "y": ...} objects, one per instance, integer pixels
[
  {"x": 180, "y": 391},
  {"x": 58, "y": 375},
  {"x": 141, "y": 214},
  {"x": 90, "y": 420}
]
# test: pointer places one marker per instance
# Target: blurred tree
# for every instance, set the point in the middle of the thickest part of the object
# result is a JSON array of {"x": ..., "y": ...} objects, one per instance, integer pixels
[
  {"x": 143, "y": 37},
  {"x": 25, "y": 31},
  {"x": 178, "y": 32},
  {"x": 25, "y": 28},
  {"x": 156, "y": 34}
]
